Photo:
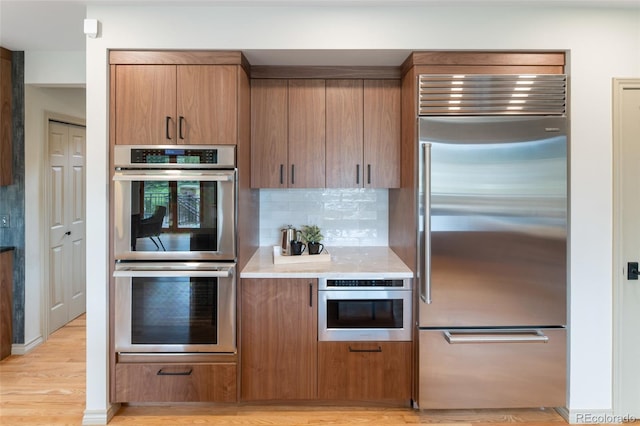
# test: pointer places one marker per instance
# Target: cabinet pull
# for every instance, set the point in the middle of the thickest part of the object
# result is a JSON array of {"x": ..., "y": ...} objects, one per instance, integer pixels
[
  {"x": 357, "y": 174},
  {"x": 180, "y": 123},
  {"x": 177, "y": 373},
  {"x": 166, "y": 127},
  {"x": 369, "y": 174},
  {"x": 379, "y": 349},
  {"x": 281, "y": 174},
  {"x": 311, "y": 295},
  {"x": 495, "y": 336},
  {"x": 293, "y": 178}
]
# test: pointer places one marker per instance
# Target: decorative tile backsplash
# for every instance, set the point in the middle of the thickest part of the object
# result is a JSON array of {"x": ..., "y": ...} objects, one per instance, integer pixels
[{"x": 346, "y": 217}]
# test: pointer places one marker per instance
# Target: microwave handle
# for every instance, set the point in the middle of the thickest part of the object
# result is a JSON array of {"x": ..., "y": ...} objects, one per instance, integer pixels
[
  {"x": 225, "y": 273},
  {"x": 136, "y": 175}
]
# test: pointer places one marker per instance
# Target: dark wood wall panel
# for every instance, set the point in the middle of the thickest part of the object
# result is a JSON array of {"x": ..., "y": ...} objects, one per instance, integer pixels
[{"x": 12, "y": 196}]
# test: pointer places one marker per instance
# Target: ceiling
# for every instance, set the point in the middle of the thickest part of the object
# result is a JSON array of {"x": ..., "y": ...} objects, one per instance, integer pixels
[{"x": 50, "y": 25}]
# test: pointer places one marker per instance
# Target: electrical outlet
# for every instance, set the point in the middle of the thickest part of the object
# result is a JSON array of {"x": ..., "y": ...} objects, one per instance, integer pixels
[{"x": 4, "y": 221}]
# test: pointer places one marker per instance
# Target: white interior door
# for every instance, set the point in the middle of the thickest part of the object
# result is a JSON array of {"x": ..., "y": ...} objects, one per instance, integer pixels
[
  {"x": 66, "y": 183},
  {"x": 627, "y": 247}
]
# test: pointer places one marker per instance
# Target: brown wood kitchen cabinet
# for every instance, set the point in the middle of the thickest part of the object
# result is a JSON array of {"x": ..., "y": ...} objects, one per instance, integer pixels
[
  {"x": 288, "y": 133},
  {"x": 6, "y": 156},
  {"x": 278, "y": 339},
  {"x": 364, "y": 371},
  {"x": 174, "y": 98},
  {"x": 156, "y": 382},
  {"x": 363, "y": 133}
]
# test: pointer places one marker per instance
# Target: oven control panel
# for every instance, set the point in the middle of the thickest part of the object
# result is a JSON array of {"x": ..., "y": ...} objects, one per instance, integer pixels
[{"x": 174, "y": 156}]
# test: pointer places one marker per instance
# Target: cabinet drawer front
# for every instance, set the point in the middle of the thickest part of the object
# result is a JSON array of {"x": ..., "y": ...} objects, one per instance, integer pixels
[
  {"x": 175, "y": 382},
  {"x": 489, "y": 371},
  {"x": 366, "y": 371}
]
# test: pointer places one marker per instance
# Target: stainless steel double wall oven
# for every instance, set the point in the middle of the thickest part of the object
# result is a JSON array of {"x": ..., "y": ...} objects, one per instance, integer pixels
[{"x": 175, "y": 249}]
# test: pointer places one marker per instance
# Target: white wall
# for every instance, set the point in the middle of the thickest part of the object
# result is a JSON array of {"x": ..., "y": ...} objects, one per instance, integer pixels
[
  {"x": 39, "y": 102},
  {"x": 54, "y": 68},
  {"x": 603, "y": 43}
]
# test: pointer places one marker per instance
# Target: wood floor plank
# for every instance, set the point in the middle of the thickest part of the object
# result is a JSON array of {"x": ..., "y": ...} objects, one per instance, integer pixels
[{"x": 47, "y": 387}]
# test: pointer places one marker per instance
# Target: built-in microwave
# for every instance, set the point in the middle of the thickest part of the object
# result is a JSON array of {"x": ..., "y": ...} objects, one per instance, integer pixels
[
  {"x": 174, "y": 202},
  {"x": 364, "y": 309}
]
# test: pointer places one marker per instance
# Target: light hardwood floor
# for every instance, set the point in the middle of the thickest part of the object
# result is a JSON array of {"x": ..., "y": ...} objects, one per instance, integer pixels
[{"x": 47, "y": 387}]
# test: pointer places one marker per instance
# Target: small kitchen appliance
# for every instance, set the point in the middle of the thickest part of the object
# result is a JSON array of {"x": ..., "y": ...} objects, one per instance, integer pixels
[
  {"x": 288, "y": 235},
  {"x": 364, "y": 309}
]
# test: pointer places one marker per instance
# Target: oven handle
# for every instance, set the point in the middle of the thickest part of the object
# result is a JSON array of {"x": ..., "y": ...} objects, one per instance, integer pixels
[
  {"x": 223, "y": 273},
  {"x": 164, "y": 175}
]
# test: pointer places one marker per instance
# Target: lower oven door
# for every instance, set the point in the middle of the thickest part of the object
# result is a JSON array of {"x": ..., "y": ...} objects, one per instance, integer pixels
[
  {"x": 364, "y": 315},
  {"x": 175, "y": 307}
]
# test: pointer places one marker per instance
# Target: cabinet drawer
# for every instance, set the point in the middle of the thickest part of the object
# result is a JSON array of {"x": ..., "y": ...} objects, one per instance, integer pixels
[
  {"x": 366, "y": 371},
  {"x": 152, "y": 382},
  {"x": 481, "y": 371}
]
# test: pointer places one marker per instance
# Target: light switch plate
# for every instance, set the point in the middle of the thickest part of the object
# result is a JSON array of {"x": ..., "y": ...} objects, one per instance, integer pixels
[{"x": 4, "y": 221}]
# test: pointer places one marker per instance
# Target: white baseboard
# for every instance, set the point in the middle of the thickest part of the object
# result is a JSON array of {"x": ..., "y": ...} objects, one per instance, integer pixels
[
  {"x": 99, "y": 417},
  {"x": 25, "y": 348},
  {"x": 590, "y": 416}
]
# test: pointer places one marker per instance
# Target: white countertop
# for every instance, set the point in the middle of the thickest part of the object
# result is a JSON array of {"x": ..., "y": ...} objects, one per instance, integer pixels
[{"x": 365, "y": 262}]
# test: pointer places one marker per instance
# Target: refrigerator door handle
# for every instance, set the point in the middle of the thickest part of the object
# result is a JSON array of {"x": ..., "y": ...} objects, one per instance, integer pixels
[
  {"x": 493, "y": 336},
  {"x": 425, "y": 279}
]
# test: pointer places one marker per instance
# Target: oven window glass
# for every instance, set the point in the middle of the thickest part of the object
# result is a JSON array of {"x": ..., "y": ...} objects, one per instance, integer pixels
[
  {"x": 174, "y": 216},
  {"x": 174, "y": 310},
  {"x": 362, "y": 313}
]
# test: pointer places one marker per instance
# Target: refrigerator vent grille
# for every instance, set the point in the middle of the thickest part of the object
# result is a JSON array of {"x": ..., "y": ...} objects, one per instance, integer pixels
[{"x": 481, "y": 94}]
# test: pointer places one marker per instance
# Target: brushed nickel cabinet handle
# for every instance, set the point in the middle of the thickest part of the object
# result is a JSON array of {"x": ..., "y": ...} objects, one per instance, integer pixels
[
  {"x": 293, "y": 176},
  {"x": 311, "y": 295},
  {"x": 281, "y": 174},
  {"x": 357, "y": 174},
  {"x": 369, "y": 174}
]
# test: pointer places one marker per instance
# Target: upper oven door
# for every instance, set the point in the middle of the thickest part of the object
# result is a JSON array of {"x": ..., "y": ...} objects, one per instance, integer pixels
[{"x": 175, "y": 214}]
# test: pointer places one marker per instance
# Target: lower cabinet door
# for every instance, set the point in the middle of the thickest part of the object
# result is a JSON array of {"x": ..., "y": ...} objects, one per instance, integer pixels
[
  {"x": 364, "y": 371},
  {"x": 461, "y": 369},
  {"x": 142, "y": 382}
]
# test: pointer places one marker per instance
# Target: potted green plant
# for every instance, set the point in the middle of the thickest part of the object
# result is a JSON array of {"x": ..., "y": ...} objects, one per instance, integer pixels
[{"x": 312, "y": 236}]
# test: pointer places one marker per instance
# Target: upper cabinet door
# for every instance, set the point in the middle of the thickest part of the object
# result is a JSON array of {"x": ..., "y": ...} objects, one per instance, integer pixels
[
  {"x": 306, "y": 133},
  {"x": 207, "y": 104},
  {"x": 382, "y": 133},
  {"x": 145, "y": 104},
  {"x": 344, "y": 133},
  {"x": 269, "y": 133}
]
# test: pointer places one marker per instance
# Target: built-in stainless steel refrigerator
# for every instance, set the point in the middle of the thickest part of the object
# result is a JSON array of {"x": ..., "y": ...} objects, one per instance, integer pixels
[{"x": 492, "y": 260}]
